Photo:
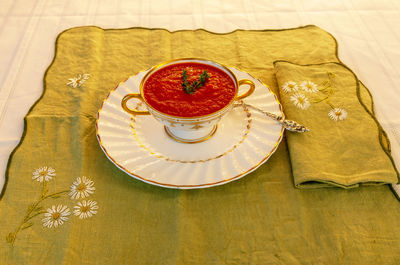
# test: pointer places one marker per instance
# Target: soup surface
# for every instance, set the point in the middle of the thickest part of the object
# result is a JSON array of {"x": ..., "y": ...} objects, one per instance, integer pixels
[{"x": 163, "y": 90}]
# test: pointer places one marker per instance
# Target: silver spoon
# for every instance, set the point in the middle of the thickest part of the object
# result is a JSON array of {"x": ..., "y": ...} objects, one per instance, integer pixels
[{"x": 287, "y": 124}]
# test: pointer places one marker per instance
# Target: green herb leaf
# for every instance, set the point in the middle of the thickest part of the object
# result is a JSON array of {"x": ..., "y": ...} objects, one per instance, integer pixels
[{"x": 190, "y": 88}]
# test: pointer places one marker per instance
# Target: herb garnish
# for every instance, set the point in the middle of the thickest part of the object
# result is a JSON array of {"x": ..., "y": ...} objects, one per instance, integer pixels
[{"x": 190, "y": 88}]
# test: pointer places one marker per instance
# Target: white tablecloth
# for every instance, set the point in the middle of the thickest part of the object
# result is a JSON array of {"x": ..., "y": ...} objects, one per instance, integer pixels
[{"x": 368, "y": 33}]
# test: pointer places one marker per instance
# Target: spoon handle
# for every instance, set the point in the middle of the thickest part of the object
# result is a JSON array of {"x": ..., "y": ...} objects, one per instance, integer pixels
[{"x": 287, "y": 124}]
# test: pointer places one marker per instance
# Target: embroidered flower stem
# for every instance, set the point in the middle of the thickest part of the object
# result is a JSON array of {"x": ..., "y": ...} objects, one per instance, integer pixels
[
  {"x": 327, "y": 89},
  {"x": 330, "y": 104},
  {"x": 320, "y": 100},
  {"x": 33, "y": 210}
]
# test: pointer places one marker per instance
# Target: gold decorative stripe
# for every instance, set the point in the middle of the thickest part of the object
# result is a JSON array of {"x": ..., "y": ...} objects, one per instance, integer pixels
[{"x": 158, "y": 155}]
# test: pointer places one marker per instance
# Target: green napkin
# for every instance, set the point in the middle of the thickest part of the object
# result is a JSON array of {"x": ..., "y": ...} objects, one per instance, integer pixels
[{"x": 344, "y": 147}]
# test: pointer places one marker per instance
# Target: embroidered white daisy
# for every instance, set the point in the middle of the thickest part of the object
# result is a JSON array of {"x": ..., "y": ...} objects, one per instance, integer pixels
[
  {"x": 56, "y": 216},
  {"x": 300, "y": 101},
  {"x": 78, "y": 81},
  {"x": 86, "y": 209},
  {"x": 338, "y": 114},
  {"x": 309, "y": 86},
  {"x": 43, "y": 174},
  {"x": 290, "y": 86},
  {"x": 81, "y": 188}
]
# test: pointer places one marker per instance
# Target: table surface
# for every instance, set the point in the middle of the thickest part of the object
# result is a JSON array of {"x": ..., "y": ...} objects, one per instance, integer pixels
[{"x": 367, "y": 32}]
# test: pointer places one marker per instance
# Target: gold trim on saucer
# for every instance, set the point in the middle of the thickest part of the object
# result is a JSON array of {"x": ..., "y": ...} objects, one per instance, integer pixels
[{"x": 204, "y": 185}]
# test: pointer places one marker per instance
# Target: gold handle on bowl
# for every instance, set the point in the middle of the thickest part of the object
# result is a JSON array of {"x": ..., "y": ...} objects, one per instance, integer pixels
[
  {"x": 248, "y": 92},
  {"x": 133, "y": 111}
]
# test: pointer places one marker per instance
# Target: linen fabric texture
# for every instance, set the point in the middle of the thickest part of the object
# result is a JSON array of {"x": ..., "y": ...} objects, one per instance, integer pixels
[{"x": 259, "y": 219}]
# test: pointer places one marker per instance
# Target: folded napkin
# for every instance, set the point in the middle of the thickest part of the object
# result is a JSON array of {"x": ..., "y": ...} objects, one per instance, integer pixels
[{"x": 346, "y": 146}]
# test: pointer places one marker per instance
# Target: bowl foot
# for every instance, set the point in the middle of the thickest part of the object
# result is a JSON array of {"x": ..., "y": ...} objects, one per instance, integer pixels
[{"x": 190, "y": 137}]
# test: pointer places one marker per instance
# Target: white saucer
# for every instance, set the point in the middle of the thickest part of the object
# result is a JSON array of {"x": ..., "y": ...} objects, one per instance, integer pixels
[{"x": 139, "y": 145}]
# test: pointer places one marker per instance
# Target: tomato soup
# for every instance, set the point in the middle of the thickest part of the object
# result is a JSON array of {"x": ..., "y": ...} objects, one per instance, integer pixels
[{"x": 164, "y": 92}]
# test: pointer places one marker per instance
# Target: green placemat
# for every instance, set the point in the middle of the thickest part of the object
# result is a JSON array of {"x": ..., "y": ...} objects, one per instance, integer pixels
[{"x": 59, "y": 173}]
